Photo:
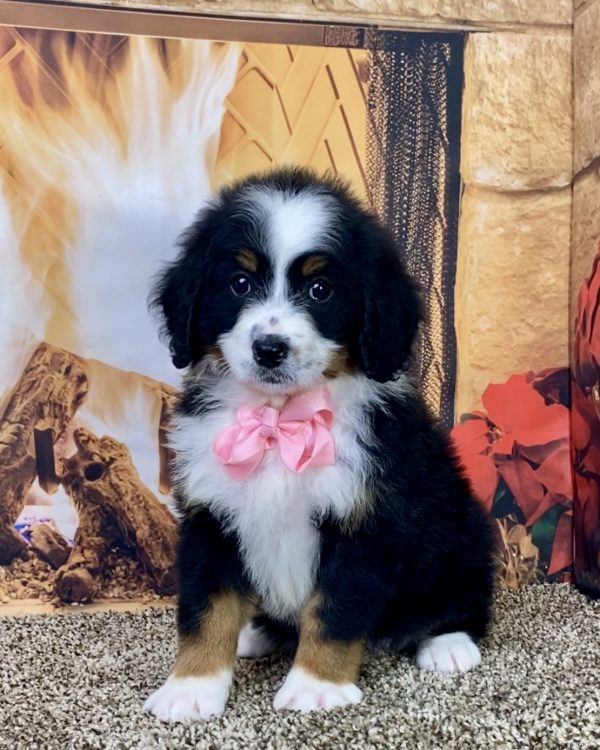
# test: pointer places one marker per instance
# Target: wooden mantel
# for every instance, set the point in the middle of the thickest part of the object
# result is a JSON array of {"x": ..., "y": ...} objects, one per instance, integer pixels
[{"x": 510, "y": 15}]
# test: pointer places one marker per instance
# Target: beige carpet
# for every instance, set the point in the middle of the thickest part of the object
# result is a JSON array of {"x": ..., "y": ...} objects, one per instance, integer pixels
[{"x": 78, "y": 681}]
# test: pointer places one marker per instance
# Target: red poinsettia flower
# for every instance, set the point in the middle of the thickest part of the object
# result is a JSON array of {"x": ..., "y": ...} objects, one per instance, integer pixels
[
  {"x": 587, "y": 332},
  {"x": 524, "y": 440},
  {"x": 473, "y": 439},
  {"x": 521, "y": 415}
]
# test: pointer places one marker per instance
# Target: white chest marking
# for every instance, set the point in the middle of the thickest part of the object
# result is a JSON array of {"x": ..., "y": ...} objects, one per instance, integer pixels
[{"x": 273, "y": 511}]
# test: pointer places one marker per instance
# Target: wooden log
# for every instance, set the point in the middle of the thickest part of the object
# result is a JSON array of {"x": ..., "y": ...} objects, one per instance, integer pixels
[
  {"x": 49, "y": 544},
  {"x": 12, "y": 545},
  {"x": 49, "y": 392},
  {"x": 80, "y": 577},
  {"x": 102, "y": 475}
]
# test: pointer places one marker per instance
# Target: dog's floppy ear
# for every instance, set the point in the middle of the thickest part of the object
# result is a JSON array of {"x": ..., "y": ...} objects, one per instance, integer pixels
[
  {"x": 178, "y": 289},
  {"x": 391, "y": 307}
]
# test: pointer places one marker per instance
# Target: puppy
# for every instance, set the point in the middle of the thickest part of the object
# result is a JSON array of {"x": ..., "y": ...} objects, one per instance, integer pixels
[{"x": 321, "y": 507}]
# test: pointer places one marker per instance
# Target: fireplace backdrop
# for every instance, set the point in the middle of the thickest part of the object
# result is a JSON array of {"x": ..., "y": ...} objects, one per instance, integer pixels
[{"x": 109, "y": 144}]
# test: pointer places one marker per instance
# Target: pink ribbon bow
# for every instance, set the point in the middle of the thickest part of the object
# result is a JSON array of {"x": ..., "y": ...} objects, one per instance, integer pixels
[{"x": 300, "y": 430}]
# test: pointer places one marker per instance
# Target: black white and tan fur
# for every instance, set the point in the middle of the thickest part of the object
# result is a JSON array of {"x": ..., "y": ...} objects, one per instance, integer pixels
[{"x": 284, "y": 283}]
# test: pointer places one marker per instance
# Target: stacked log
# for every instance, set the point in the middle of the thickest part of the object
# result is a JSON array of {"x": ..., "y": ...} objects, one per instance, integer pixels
[
  {"x": 115, "y": 508},
  {"x": 49, "y": 392},
  {"x": 49, "y": 544}
]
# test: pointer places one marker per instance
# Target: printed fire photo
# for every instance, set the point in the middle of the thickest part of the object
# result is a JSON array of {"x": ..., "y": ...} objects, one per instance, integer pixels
[{"x": 109, "y": 145}]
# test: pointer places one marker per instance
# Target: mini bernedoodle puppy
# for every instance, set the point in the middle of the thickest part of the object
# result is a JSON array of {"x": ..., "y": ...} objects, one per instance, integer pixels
[{"x": 321, "y": 507}]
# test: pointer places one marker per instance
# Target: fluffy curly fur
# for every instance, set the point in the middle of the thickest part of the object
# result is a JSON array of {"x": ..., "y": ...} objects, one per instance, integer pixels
[{"x": 388, "y": 544}]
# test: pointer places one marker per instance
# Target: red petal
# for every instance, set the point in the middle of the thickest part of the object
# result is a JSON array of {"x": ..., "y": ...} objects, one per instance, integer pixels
[
  {"x": 543, "y": 426},
  {"x": 517, "y": 408},
  {"x": 527, "y": 491},
  {"x": 524, "y": 486},
  {"x": 555, "y": 474},
  {"x": 552, "y": 383},
  {"x": 587, "y": 491},
  {"x": 562, "y": 546},
  {"x": 504, "y": 446},
  {"x": 591, "y": 517},
  {"x": 539, "y": 453},
  {"x": 471, "y": 436},
  {"x": 591, "y": 459},
  {"x": 483, "y": 476},
  {"x": 504, "y": 401}
]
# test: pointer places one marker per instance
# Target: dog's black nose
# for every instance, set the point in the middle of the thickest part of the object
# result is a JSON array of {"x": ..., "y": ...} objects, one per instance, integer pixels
[{"x": 270, "y": 350}]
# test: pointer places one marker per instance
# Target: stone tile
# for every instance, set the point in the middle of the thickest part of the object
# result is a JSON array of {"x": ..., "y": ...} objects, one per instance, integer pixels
[
  {"x": 512, "y": 287},
  {"x": 517, "y": 111}
]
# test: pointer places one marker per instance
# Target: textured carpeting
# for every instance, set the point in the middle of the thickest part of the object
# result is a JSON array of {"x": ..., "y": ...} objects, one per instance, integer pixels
[{"x": 78, "y": 681}]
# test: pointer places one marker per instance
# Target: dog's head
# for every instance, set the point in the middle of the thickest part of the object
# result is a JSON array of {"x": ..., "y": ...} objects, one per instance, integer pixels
[{"x": 288, "y": 280}]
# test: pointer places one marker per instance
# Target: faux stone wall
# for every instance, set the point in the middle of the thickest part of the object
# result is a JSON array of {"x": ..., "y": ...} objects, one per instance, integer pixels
[
  {"x": 586, "y": 151},
  {"x": 512, "y": 294},
  {"x": 514, "y": 236}
]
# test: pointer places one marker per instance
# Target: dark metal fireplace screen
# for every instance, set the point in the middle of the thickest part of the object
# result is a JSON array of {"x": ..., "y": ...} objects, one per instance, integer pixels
[{"x": 414, "y": 109}]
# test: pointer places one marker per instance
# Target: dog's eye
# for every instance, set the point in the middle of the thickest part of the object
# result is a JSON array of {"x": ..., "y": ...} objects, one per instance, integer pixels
[
  {"x": 240, "y": 285},
  {"x": 320, "y": 290}
]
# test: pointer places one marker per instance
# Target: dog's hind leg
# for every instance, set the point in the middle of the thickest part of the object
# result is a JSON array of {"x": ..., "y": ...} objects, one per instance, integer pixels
[
  {"x": 262, "y": 636},
  {"x": 449, "y": 652},
  {"x": 255, "y": 642}
]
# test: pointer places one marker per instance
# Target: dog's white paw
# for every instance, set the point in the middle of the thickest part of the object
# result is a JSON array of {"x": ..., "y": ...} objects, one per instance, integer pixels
[
  {"x": 451, "y": 652},
  {"x": 185, "y": 698},
  {"x": 254, "y": 643},
  {"x": 303, "y": 692}
]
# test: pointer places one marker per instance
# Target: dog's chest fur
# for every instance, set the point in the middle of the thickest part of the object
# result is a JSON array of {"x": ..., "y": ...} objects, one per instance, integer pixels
[{"x": 275, "y": 512}]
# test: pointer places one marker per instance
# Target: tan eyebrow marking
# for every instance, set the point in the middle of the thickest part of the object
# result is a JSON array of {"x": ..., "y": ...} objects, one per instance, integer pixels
[
  {"x": 313, "y": 264},
  {"x": 248, "y": 260}
]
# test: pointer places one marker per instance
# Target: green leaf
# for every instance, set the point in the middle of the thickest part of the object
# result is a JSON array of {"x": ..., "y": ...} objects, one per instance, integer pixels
[
  {"x": 503, "y": 503},
  {"x": 542, "y": 532}
]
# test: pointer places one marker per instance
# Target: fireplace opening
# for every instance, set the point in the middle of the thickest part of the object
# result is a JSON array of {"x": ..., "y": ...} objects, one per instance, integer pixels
[{"x": 109, "y": 144}]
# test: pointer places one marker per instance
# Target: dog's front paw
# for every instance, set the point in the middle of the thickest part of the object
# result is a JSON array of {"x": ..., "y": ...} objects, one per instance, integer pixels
[
  {"x": 185, "y": 698},
  {"x": 451, "y": 652},
  {"x": 303, "y": 692}
]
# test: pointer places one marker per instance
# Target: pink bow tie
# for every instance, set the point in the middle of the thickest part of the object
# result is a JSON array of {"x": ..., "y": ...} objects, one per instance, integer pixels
[{"x": 300, "y": 430}]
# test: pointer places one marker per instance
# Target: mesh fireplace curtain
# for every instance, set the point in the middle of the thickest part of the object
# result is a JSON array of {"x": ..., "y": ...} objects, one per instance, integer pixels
[{"x": 414, "y": 111}]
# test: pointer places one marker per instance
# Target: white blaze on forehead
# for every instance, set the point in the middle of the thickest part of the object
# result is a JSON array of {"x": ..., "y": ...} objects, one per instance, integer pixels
[
  {"x": 291, "y": 224},
  {"x": 284, "y": 225}
]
